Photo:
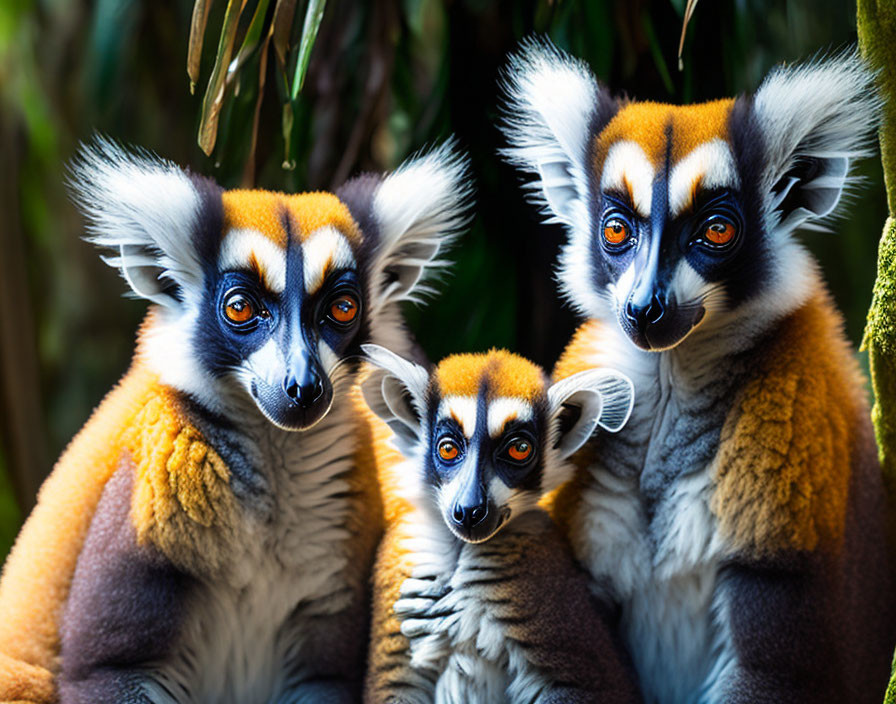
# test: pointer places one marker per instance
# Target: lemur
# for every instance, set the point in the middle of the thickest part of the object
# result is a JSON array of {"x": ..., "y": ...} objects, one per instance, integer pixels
[
  {"x": 209, "y": 534},
  {"x": 740, "y": 519},
  {"x": 476, "y": 595}
]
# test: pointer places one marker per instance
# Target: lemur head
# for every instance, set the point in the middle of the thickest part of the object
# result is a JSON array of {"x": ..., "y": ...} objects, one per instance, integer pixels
[
  {"x": 682, "y": 216},
  {"x": 262, "y": 295},
  {"x": 487, "y": 434}
]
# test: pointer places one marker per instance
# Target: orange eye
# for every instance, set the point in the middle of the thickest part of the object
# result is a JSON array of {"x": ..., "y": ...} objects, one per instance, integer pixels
[
  {"x": 520, "y": 450},
  {"x": 616, "y": 231},
  {"x": 448, "y": 450},
  {"x": 719, "y": 232},
  {"x": 344, "y": 309},
  {"x": 238, "y": 309}
]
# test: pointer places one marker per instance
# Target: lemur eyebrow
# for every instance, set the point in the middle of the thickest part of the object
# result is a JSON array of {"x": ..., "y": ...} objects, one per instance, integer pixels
[
  {"x": 705, "y": 198},
  {"x": 620, "y": 198}
]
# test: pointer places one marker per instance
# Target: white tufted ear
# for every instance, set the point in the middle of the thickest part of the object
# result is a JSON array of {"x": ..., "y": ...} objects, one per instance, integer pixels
[
  {"x": 552, "y": 108},
  {"x": 592, "y": 398},
  {"x": 396, "y": 392},
  {"x": 419, "y": 209},
  {"x": 144, "y": 208},
  {"x": 815, "y": 120}
]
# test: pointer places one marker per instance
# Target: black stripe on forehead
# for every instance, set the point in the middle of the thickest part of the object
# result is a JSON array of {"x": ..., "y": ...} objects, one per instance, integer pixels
[
  {"x": 295, "y": 257},
  {"x": 482, "y": 398},
  {"x": 294, "y": 289}
]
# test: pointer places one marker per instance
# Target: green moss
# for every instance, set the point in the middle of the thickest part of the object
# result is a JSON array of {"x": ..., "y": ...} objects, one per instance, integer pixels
[{"x": 876, "y": 24}]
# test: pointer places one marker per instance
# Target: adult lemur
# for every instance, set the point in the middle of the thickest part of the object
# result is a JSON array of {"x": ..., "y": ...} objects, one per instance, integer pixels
[
  {"x": 740, "y": 518},
  {"x": 208, "y": 535}
]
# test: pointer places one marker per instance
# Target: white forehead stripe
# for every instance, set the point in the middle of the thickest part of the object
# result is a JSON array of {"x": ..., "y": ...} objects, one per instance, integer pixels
[
  {"x": 240, "y": 247},
  {"x": 710, "y": 165},
  {"x": 505, "y": 409},
  {"x": 324, "y": 251},
  {"x": 627, "y": 166},
  {"x": 462, "y": 409}
]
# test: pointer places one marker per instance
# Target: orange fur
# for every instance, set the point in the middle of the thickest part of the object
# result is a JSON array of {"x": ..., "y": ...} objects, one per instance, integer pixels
[
  {"x": 781, "y": 472},
  {"x": 36, "y": 577},
  {"x": 263, "y": 210},
  {"x": 182, "y": 500},
  {"x": 508, "y": 375},
  {"x": 388, "y": 645},
  {"x": 182, "y": 504},
  {"x": 646, "y": 124}
]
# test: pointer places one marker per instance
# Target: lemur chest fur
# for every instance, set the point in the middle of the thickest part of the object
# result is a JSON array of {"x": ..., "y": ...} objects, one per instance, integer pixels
[
  {"x": 644, "y": 527},
  {"x": 290, "y": 564},
  {"x": 463, "y": 642}
]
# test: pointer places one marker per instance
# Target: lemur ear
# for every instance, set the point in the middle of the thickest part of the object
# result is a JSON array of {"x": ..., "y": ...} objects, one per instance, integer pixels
[
  {"x": 580, "y": 403},
  {"x": 396, "y": 392},
  {"x": 410, "y": 217},
  {"x": 815, "y": 120},
  {"x": 144, "y": 208},
  {"x": 554, "y": 106}
]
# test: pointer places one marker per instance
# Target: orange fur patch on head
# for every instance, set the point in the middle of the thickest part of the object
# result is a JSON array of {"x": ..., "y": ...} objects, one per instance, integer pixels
[
  {"x": 507, "y": 374},
  {"x": 263, "y": 211},
  {"x": 788, "y": 446},
  {"x": 654, "y": 126}
]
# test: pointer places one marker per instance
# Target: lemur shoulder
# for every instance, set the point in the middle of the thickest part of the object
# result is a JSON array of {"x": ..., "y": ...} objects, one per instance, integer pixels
[
  {"x": 208, "y": 535},
  {"x": 739, "y": 519},
  {"x": 477, "y": 597}
]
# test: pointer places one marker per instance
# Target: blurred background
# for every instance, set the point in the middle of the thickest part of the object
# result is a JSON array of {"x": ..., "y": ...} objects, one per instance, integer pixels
[{"x": 384, "y": 79}]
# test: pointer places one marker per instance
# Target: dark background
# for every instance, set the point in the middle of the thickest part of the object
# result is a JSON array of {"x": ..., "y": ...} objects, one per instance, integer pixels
[{"x": 386, "y": 78}]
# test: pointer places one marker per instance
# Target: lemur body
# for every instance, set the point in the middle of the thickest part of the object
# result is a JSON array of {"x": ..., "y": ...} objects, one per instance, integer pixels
[
  {"x": 739, "y": 519},
  {"x": 476, "y": 595},
  {"x": 221, "y": 507}
]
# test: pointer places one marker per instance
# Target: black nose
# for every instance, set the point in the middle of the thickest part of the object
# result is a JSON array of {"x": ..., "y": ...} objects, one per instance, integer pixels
[
  {"x": 469, "y": 516},
  {"x": 306, "y": 391},
  {"x": 642, "y": 314}
]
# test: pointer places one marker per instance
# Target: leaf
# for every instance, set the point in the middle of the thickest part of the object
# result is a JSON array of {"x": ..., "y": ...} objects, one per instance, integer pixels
[
  {"x": 313, "y": 15},
  {"x": 688, "y": 13},
  {"x": 198, "y": 23},
  {"x": 281, "y": 29},
  {"x": 214, "y": 94},
  {"x": 250, "y": 41}
]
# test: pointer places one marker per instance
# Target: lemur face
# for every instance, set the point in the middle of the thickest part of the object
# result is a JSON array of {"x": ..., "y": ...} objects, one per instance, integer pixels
[
  {"x": 266, "y": 297},
  {"x": 486, "y": 447},
  {"x": 668, "y": 219},
  {"x": 284, "y": 306},
  {"x": 486, "y": 434},
  {"x": 681, "y": 217}
]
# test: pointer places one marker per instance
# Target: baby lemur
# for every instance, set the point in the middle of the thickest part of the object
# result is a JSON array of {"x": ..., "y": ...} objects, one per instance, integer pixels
[{"x": 476, "y": 594}]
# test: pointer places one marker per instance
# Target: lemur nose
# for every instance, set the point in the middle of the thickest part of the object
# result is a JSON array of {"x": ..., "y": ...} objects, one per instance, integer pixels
[
  {"x": 642, "y": 315},
  {"x": 305, "y": 392},
  {"x": 469, "y": 516}
]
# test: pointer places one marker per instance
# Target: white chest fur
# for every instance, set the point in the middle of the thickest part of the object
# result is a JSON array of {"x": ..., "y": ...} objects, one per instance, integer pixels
[
  {"x": 454, "y": 635},
  {"x": 644, "y": 529},
  {"x": 245, "y": 626}
]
